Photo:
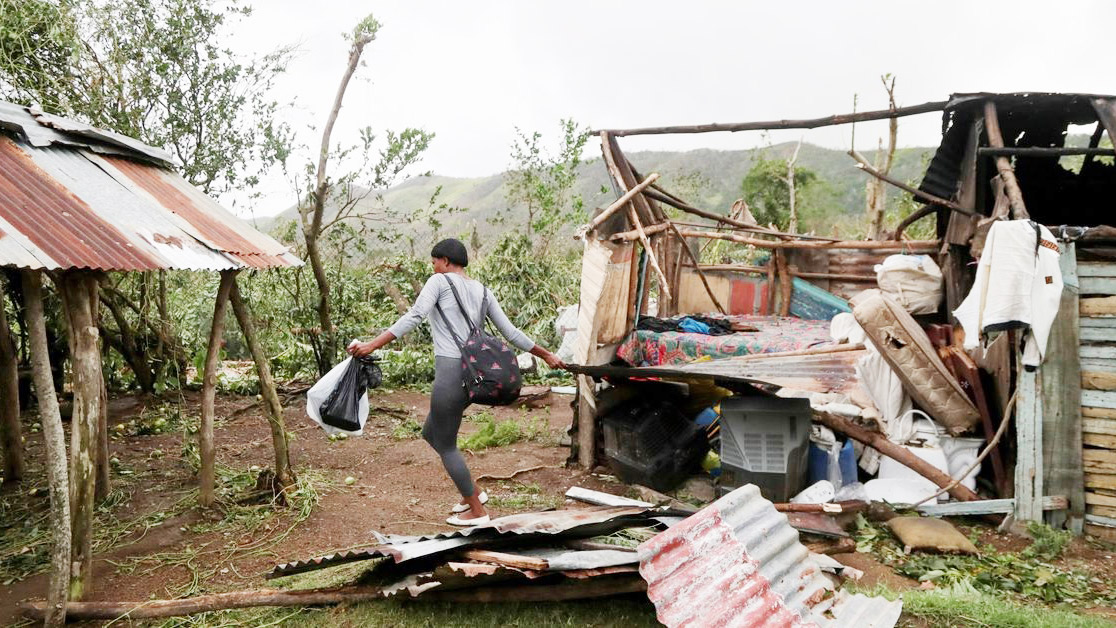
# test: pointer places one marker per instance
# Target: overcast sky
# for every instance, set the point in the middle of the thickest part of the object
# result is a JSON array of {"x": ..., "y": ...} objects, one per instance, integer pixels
[{"x": 471, "y": 72}]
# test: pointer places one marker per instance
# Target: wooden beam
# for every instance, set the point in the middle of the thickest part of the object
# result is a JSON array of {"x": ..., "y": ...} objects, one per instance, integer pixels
[
  {"x": 863, "y": 164},
  {"x": 911, "y": 246},
  {"x": 1003, "y": 164},
  {"x": 812, "y": 123},
  {"x": 620, "y": 202},
  {"x": 1042, "y": 151},
  {"x": 206, "y": 446},
  {"x": 1028, "y": 433},
  {"x": 834, "y": 276},
  {"x": 54, "y": 440},
  {"x": 667, "y": 198},
  {"x": 629, "y": 236},
  {"x": 697, "y": 267},
  {"x": 507, "y": 560},
  {"x": 664, "y": 285},
  {"x": 987, "y": 507}
]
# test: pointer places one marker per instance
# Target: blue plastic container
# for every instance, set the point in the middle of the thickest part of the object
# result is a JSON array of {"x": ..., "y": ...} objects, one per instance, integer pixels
[{"x": 817, "y": 465}]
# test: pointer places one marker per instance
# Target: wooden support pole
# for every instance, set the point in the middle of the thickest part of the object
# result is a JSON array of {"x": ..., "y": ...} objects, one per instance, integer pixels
[
  {"x": 85, "y": 357},
  {"x": 619, "y": 203},
  {"x": 845, "y": 118},
  {"x": 11, "y": 441},
  {"x": 1003, "y": 164},
  {"x": 786, "y": 287},
  {"x": 864, "y": 165},
  {"x": 54, "y": 440},
  {"x": 911, "y": 246},
  {"x": 206, "y": 446},
  {"x": 1044, "y": 151},
  {"x": 283, "y": 473},
  {"x": 697, "y": 267},
  {"x": 896, "y": 453},
  {"x": 104, "y": 477},
  {"x": 661, "y": 195},
  {"x": 664, "y": 286}
]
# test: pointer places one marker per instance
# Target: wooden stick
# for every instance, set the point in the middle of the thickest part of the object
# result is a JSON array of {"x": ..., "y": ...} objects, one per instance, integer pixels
[
  {"x": 913, "y": 246},
  {"x": 54, "y": 610},
  {"x": 786, "y": 124},
  {"x": 663, "y": 196},
  {"x": 863, "y": 164},
  {"x": 786, "y": 287},
  {"x": 739, "y": 268},
  {"x": 801, "y": 352},
  {"x": 1003, "y": 164},
  {"x": 896, "y": 453},
  {"x": 148, "y": 609},
  {"x": 620, "y": 202},
  {"x": 507, "y": 560},
  {"x": 568, "y": 590},
  {"x": 1042, "y": 151},
  {"x": 697, "y": 267},
  {"x": 915, "y": 216},
  {"x": 646, "y": 242},
  {"x": 628, "y": 236},
  {"x": 834, "y": 507},
  {"x": 206, "y": 447},
  {"x": 833, "y": 276},
  {"x": 769, "y": 307}
]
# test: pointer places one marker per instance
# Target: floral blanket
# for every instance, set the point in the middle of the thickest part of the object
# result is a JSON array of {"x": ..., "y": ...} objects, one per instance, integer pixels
[{"x": 776, "y": 334}]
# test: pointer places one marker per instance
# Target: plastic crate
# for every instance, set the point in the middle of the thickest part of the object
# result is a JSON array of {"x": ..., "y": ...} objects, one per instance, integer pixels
[
  {"x": 764, "y": 441},
  {"x": 652, "y": 443}
]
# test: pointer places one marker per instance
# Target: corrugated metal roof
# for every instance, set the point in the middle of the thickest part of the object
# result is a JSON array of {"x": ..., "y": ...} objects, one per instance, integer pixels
[
  {"x": 62, "y": 206},
  {"x": 738, "y": 562}
]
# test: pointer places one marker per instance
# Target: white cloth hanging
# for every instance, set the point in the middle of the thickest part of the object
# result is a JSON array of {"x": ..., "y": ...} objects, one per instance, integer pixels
[{"x": 1018, "y": 286}]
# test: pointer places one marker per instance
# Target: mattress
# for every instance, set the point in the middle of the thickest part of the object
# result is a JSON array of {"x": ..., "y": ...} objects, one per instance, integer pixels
[
  {"x": 774, "y": 334},
  {"x": 908, "y": 351}
]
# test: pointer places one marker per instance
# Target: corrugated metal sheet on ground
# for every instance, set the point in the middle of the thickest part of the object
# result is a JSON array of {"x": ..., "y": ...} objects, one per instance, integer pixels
[
  {"x": 738, "y": 563},
  {"x": 63, "y": 206}
]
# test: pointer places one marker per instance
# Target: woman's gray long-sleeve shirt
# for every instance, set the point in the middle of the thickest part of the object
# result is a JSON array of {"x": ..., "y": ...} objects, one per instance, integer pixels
[{"x": 437, "y": 291}]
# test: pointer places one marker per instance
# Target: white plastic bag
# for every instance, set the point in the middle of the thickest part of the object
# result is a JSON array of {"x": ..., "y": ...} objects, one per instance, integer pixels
[
  {"x": 914, "y": 281},
  {"x": 318, "y": 394}
]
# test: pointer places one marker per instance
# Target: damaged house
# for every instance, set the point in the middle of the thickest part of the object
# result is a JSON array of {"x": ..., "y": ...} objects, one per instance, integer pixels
[{"x": 990, "y": 348}]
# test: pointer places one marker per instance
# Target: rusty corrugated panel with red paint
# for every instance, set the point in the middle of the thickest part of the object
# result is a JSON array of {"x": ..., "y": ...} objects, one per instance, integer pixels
[{"x": 739, "y": 563}]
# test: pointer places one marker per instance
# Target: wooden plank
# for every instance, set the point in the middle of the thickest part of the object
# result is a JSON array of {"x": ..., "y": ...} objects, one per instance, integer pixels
[
  {"x": 1097, "y": 306},
  {"x": 1098, "y": 365},
  {"x": 1101, "y": 511},
  {"x": 1061, "y": 403},
  {"x": 1028, "y": 467},
  {"x": 507, "y": 560},
  {"x": 1098, "y": 426},
  {"x": 1096, "y": 269},
  {"x": 1095, "y": 380},
  {"x": 987, "y": 506},
  {"x": 1098, "y": 334},
  {"x": 1098, "y": 413},
  {"x": 1104, "y": 533},
  {"x": 1094, "y": 498},
  {"x": 1099, "y": 460},
  {"x": 1098, "y": 399},
  {"x": 1107, "y": 322},
  {"x": 1101, "y": 352},
  {"x": 1098, "y": 285},
  {"x": 1107, "y": 441},
  {"x": 1101, "y": 480}
]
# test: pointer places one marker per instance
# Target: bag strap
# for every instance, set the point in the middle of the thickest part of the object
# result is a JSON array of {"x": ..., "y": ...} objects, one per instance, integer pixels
[{"x": 464, "y": 312}]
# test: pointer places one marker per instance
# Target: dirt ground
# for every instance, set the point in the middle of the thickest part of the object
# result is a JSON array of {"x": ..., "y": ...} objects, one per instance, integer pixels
[{"x": 400, "y": 487}]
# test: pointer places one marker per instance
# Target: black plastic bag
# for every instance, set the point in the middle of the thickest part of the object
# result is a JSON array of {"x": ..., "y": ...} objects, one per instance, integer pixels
[{"x": 341, "y": 407}]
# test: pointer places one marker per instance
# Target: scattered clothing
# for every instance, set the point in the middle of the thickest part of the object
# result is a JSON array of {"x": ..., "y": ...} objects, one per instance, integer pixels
[
  {"x": 689, "y": 324},
  {"x": 1018, "y": 286}
]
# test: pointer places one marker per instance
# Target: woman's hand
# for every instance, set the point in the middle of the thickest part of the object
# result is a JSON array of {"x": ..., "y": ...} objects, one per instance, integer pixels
[
  {"x": 553, "y": 361},
  {"x": 360, "y": 349}
]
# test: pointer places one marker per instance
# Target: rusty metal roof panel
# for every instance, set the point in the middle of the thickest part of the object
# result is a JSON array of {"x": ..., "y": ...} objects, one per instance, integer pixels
[
  {"x": 62, "y": 206},
  {"x": 738, "y": 562}
]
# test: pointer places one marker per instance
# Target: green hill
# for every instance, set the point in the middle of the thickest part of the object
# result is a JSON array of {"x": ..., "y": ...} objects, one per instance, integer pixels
[{"x": 707, "y": 178}]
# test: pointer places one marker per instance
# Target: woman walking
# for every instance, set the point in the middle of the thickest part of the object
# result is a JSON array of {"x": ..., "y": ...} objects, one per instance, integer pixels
[{"x": 448, "y": 399}]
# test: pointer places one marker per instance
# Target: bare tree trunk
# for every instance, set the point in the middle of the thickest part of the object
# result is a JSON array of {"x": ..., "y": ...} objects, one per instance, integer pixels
[
  {"x": 84, "y": 444},
  {"x": 793, "y": 224},
  {"x": 128, "y": 346},
  {"x": 876, "y": 194},
  {"x": 207, "y": 472},
  {"x": 104, "y": 479},
  {"x": 283, "y": 474},
  {"x": 55, "y": 443},
  {"x": 401, "y": 303},
  {"x": 11, "y": 442},
  {"x": 311, "y": 216}
]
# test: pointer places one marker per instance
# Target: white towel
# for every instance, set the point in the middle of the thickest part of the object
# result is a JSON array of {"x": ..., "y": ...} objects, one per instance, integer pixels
[{"x": 1018, "y": 286}]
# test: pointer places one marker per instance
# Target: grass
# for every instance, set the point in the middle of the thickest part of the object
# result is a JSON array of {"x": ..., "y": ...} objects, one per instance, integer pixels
[
  {"x": 966, "y": 606},
  {"x": 493, "y": 433},
  {"x": 524, "y": 497},
  {"x": 406, "y": 429}
]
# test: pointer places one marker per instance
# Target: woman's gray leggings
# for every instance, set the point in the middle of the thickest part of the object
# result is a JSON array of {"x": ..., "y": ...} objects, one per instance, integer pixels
[{"x": 447, "y": 401}]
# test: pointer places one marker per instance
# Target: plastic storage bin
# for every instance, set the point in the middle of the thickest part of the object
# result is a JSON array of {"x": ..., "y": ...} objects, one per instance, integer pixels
[
  {"x": 650, "y": 442},
  {"x": 764, "y": 442},
  {"x": 818, "y": 469}
]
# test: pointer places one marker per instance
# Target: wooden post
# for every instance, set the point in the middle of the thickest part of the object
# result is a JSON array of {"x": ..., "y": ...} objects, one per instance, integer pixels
[
  {"x": 786, "y": 287},
  {"x": 620, "y": 202},
  {"x": 206, "y": 447},
  {"x": 1003, "y": 165},
  {"x": 283, "y": 474},
  {"x": 1028, "y": 433},
  {"x": 11, "y": 442},
  {"x": 92, "y": 286},
  {"x": 55, "y": 443},
  {"x": 697, "y": 267},
  {"x": 85, "y": 357}
]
